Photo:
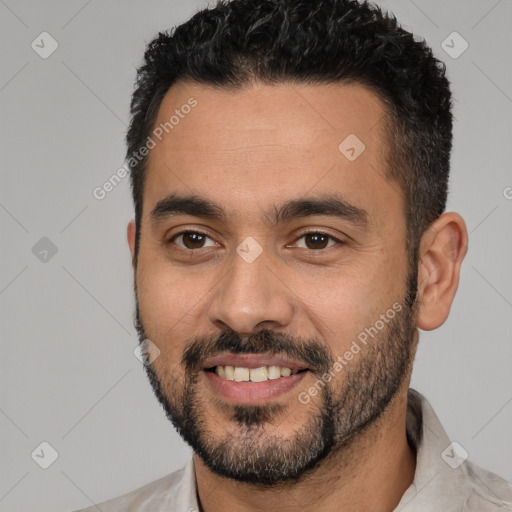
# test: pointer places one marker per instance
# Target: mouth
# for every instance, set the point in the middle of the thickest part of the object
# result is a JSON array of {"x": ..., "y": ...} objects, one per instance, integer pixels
[{"x": 253, "y": 378}]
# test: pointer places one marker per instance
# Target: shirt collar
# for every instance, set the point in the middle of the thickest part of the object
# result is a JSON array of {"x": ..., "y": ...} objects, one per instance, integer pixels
[{"x": 444, "y": 479}]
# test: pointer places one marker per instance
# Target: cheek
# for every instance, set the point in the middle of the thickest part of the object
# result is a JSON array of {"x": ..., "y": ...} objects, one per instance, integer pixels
[
  {"x": 338, "y": 314},
  {"x": 166, "y": 306},
  {"x": 351, "y": 302},
  {"x": 169, "y": 294}
]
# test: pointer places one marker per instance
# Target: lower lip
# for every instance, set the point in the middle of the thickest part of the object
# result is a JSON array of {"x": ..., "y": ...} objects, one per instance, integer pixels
[{"x": 253, "y": 392}]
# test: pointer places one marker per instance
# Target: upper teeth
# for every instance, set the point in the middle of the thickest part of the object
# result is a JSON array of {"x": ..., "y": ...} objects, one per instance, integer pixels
[{"x": 241, "y": 374}]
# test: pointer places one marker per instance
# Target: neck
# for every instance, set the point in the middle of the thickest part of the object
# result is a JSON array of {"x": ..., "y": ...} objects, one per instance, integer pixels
[{"x": 371, "y": 473}]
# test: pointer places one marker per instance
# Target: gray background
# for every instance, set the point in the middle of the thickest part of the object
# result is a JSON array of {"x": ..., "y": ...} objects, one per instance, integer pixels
[{"x": 68, "y": 373}]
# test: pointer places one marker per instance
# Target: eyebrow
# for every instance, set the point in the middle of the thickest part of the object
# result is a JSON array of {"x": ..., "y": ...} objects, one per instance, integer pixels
[{"x": 326, "y": 204}]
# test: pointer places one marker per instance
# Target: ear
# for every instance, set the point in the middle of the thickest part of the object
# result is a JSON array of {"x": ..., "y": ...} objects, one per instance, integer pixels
[
  {"x": 130, "y": 234},
  {"x": 442, "y": 250}
]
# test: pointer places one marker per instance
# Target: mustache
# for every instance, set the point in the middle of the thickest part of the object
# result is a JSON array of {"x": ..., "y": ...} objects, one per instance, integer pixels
[{"x": 315, "y": 354}]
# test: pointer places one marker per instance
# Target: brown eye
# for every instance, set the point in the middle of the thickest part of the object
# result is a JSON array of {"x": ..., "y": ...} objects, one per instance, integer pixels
[
  {"x": 316, "y": 240},
  {"x": 191, "y": 239}
]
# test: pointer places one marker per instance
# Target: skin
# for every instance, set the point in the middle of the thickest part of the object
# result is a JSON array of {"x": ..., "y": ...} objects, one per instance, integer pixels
[{"x": 247, "y": 150}]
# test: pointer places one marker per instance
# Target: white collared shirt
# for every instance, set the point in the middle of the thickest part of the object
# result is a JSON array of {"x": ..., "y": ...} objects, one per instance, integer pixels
[{"x": 443, "y": 481}]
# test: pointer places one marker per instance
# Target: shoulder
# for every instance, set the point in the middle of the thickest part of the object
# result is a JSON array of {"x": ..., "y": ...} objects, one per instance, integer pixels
[
  {"x": 490, "y": 492},
  {"x": 442, "y": 481},
  {"x": 154, "y": 496}
]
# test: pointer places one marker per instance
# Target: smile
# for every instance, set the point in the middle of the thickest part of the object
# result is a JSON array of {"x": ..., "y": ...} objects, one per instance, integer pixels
[{"x": 253, "y": 378}]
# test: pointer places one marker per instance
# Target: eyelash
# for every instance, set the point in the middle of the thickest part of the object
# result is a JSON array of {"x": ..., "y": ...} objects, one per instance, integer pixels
[{"x": 196, "y": 232}]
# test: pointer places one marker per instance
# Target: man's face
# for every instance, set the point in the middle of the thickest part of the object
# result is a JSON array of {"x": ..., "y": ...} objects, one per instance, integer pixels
[{"x": 268, "y": 293}]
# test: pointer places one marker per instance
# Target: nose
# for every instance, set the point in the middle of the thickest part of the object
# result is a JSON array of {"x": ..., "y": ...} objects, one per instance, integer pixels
[{"x": 251, "y": 297}]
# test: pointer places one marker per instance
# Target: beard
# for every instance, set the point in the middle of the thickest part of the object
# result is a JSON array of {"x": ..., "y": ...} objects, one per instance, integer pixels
[{"x": 250, "y": 449}]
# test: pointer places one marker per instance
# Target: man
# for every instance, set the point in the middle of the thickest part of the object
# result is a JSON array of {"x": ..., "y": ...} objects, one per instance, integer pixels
[{"x": 290, "y": 162}]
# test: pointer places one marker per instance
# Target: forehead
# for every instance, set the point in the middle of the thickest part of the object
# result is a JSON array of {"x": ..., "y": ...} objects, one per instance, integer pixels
[{"x": 262, "y": 144}]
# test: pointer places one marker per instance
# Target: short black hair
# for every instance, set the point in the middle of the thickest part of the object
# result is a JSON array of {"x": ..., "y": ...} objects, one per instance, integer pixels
[{"x": 239, "y": 42}]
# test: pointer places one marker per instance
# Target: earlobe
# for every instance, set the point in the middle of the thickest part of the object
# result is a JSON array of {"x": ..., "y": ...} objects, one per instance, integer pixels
[
  {"x": 442, "y": 250},
  {"x": 130, "y": 234}
]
